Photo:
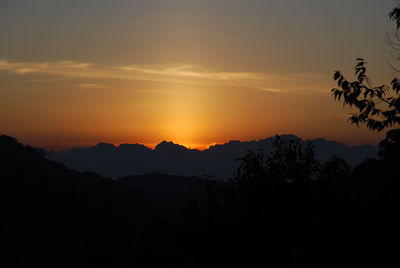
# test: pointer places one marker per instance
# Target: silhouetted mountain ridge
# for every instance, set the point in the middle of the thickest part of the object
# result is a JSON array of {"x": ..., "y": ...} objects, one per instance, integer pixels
[
  {"x": 219, "y": 160},
  {"x": 170, "y": 147},
  {"x": 52, "y": 213},
  {"x": 284, "y": 211}
]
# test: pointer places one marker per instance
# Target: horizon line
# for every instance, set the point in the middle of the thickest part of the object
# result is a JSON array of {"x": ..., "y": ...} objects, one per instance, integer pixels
[{"x": 197, "y": 147}]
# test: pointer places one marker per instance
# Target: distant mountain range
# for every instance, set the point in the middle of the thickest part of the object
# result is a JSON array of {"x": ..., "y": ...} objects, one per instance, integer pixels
[{"x": 218, "y": 160}]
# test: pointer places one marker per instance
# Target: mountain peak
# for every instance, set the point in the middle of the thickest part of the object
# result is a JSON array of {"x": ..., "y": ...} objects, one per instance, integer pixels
[{"x": 169, "y": 147}]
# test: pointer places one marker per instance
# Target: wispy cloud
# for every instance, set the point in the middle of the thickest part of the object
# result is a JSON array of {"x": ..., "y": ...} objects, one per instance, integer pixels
[
  {"x": 273, "y": 90},
  {"x": 184, "y": 74},
  {"x": 58, "y": 67},
  {"x": 187, "y": 71},
  {"x": 91, "y": 85},
  {"x": 79, "y": 69}
]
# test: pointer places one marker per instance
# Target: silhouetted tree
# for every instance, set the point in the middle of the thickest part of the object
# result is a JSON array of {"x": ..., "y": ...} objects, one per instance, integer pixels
[
  {"x": 378, "y": 107},
  {"x": 393, "y": 38},
  {"x": 332, "y": 176},
  {"x": 390, "y": 146},
  {"x": 368, "y": 197},
  {"x": 293, "y": 161}
]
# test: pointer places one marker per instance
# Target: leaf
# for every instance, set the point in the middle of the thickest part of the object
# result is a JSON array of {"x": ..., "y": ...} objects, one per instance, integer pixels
[
  {"x": 336, "y": 75},
  {"x": 395, "y": 15}
]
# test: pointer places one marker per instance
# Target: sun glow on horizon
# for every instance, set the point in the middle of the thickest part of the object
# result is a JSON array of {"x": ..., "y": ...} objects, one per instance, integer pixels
[{"x": 193, "y": 72}]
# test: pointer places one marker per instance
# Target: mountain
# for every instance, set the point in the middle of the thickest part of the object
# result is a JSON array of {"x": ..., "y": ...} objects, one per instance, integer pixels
[
  {"x": 55, "y": 216},
  {"x": 218, "y": 160}
]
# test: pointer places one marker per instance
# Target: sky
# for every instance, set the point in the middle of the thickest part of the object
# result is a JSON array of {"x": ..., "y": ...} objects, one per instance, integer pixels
[{"x": 75, "y": 73}]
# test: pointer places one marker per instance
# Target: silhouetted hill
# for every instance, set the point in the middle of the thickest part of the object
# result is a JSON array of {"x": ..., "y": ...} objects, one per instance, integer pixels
[
  {"x": 170, "y": 158},
  {"x": 170, "y": 148},
  {"x": 280, "y": 210},
  {"x": 54, "y": 216}
]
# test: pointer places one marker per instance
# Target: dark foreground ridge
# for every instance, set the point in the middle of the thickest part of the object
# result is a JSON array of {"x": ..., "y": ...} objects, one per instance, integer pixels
[
  {"x": 219, "y": 160},
  {"x": 281, "y": 210},
  {"x": 56, "y": 217}
]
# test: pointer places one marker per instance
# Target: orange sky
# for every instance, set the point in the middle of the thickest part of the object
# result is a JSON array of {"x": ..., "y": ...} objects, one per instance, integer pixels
[{"x": 196, "y": 73}]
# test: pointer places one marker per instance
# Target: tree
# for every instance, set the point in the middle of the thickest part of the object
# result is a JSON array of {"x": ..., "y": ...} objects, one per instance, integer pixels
[
  {"x": 378, "y": 107},
  {"x": 393, "y": 39}
]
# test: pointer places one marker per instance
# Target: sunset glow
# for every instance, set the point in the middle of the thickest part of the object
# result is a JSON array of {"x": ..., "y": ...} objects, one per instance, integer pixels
[{"x": 193, "y": 72}]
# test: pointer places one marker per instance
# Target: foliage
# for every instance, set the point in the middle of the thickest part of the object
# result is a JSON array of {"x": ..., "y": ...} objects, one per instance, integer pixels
[
  {"x": 285, "y": 201},
  {"x": 395, "y": 15},
  {"x": 294, "y": 161},
  {"x": 377, "y": 107},
  {"x": 390, "y": 146}
]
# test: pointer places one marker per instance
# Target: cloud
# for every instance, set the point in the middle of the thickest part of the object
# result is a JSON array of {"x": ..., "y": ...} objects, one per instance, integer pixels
[
  {"x": 188, "y": 72},
  {"x": 79, "y": 69},
  {"x": 91, "y": 85},
  {"x": 47, "y": 80},
  {"x": 273, "y": 90},
  {"x": 181, "y": 74},
  {"x": 58, "y": 67}
]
